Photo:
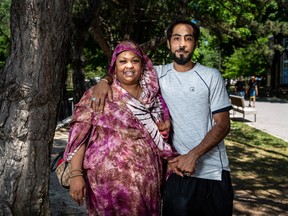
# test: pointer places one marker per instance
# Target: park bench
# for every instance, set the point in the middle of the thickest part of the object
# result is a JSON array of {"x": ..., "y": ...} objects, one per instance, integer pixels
[{"x": 238, "y": 105}]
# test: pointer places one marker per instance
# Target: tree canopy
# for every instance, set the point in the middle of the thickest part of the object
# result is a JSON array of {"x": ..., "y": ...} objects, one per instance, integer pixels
[{"x": 232, "y": 30}]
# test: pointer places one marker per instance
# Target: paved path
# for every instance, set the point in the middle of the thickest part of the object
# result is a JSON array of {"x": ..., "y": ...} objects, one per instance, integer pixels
[
  {"x": 60, "y": 200},
  {"x": 272, "y": 117}
]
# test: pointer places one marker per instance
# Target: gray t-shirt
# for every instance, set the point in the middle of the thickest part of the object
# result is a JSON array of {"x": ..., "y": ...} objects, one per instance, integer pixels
[{"x": 192, "y": 98}]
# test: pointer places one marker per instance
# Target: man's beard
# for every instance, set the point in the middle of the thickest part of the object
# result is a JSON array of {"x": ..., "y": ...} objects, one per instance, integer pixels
[{"x": 181, "y": 60}]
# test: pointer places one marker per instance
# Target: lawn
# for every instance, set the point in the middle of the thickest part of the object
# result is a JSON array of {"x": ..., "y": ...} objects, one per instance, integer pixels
[{"x": 259, "y": 170}]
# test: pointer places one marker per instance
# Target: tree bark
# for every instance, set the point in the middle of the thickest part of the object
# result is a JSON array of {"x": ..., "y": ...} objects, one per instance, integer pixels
[
  {"x": 81, "y": 24},
  {"x": 78, "y": 64},
  {"x": 275, "y": 79},
  {"x": 31, "y": 89}
]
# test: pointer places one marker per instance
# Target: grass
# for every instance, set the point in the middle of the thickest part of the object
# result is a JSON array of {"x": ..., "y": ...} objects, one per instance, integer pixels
[{"x": 259, "y": 170}]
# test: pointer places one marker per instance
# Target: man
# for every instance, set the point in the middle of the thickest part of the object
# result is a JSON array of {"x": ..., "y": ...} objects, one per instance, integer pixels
[
  {"x": 199, "y": 107},
  {"x": 240, "y": 87}
]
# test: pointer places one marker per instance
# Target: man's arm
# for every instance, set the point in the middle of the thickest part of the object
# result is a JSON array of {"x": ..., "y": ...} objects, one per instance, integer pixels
[
  {"x": 100, "y": 92},
  {"x": 187, "y": 162}
]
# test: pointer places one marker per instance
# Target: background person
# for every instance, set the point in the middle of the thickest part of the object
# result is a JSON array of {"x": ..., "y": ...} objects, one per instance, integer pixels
[
  {"x": 120, "y": 148},
  {"x": 252, "y": 91},
  {"x": 240, "y": 87}
]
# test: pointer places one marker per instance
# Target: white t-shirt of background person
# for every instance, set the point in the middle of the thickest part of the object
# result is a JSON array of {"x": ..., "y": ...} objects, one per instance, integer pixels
[{"x": 192, "y": 98}]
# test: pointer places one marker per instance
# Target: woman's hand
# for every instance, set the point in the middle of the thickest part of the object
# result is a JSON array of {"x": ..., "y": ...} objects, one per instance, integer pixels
[
  {"x": 173, "y": 165},
  {"x": 77, "y": 181},
  {"x": 99, "y": 93},
  {"x": 164, "y": 128},
  {"x": 78, "y": 189}
]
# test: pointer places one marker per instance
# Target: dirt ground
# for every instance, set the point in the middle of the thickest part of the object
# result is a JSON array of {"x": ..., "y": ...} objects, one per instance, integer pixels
[{"x": 251, "y": 198}]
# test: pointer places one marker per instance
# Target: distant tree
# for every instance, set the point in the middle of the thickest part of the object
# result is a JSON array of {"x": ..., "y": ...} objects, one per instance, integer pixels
[
  {"x": 143, "y": 21},
  {"x": 242, "y": 24},
  {"x": 248, "y": 61},
  {"x": 83, "y": 14},
  {"x": 207, "y": 52},
  {"x": 31, "y": 87}
]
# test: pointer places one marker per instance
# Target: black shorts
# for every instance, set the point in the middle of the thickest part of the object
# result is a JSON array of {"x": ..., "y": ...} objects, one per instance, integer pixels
[{"x": 189, "y": 196}]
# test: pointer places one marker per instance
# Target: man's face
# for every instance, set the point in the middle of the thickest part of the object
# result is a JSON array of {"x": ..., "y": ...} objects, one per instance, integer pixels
[{"x": 182, "y": 44}]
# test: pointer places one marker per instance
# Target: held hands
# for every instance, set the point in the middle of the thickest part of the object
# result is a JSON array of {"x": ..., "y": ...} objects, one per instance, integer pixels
[
  {"x": 183, "y": 165},
  {"x": 174, "y": 168},
  {"x": 78, "y": 189},
  {"x": 100, "y": 92}
]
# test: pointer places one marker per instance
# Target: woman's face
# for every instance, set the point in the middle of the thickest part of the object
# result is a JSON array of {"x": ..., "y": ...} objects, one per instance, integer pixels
[{"x": 128, "y": 68}]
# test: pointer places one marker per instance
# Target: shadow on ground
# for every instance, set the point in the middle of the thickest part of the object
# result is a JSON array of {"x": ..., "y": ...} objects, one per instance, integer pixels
[
  {"x": 259, "y": 176},
  {"x": 272, "y": 99}
]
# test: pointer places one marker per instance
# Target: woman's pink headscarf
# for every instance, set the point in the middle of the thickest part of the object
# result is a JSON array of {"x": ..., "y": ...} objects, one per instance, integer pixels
[{"x": 148, "y": 81}]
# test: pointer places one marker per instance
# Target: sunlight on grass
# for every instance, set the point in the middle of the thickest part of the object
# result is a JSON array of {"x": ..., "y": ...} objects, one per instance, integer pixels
[{"x": 242, "y": 133}]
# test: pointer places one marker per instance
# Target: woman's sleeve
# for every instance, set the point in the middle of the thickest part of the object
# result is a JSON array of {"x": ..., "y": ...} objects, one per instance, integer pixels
[
  {"x": 167, "y": 151},
  {"x": 79, "y": 134},
  {"x": 80, "y": 126}
]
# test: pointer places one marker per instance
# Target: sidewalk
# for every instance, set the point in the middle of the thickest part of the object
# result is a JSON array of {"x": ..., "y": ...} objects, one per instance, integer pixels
[
  {"x": 272, "y": 117},
  {"x": 61, "y": 202}
]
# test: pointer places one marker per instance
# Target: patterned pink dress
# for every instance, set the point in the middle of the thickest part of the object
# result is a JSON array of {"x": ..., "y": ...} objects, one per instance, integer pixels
[{"x": 124, "y": 150}]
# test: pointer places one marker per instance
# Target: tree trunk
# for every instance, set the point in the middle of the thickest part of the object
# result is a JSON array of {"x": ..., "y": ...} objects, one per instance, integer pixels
[
  {"x": 78, "y": 64},
  {"x": 31, "y": 89},
  {"x": 275, "y": 78},
  {"x": 81, "y": 24}
]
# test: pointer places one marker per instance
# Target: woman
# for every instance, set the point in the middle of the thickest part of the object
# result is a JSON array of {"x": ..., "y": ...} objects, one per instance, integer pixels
[{"x": 121, "y": 149}]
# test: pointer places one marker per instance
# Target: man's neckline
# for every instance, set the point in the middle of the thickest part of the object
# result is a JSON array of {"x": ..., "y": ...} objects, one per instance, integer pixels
[{"x": 184, "y": 68}]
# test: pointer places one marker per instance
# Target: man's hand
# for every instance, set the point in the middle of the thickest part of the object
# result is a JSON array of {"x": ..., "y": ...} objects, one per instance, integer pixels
[
  {"x": 186, "y": 164},
  {"x": 100, "y": 92}
]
